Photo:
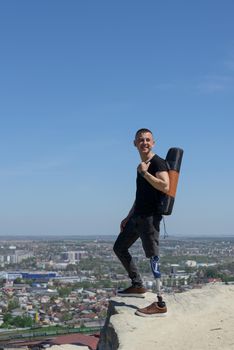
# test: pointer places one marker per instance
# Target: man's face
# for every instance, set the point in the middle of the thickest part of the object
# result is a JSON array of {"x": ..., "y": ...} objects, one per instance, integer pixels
[{"x": 144, "y": 142}]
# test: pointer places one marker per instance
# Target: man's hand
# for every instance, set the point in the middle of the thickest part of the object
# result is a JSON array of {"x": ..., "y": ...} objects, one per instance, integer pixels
[
  {"x": 143, "y": 167},
  {"x": 123, "y": 223}
]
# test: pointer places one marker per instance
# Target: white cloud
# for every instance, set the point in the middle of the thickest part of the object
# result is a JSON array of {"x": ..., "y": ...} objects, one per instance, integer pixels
[
  {"x": 229, "y": 62},
  {"x": 165, "y": 86},
  {"x": 213, "y": 84},
  {"x": 28, "y": 168}
]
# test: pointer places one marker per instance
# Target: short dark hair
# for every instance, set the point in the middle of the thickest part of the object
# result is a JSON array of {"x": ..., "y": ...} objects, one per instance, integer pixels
[{"x": 141, "y": 131}]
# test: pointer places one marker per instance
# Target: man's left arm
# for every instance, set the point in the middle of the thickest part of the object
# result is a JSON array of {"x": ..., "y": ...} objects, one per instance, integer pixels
[{"x": 160, "y": 181}]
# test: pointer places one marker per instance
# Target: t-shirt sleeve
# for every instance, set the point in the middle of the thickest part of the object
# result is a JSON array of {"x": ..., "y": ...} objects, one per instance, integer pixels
[{"x": 160, "y": 165}]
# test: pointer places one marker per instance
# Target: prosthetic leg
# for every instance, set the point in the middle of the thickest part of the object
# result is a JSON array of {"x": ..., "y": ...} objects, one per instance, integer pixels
[
  {"x": 154, "y": 263},
  {"x": 157, "y": 308}
]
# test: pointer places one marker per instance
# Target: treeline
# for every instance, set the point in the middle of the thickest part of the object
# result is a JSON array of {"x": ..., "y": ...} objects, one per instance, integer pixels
[{"x": 17, "y": 321}]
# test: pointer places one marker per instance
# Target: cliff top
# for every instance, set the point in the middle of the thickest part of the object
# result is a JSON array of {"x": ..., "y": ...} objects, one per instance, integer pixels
[{"x": 199, "y": 319}]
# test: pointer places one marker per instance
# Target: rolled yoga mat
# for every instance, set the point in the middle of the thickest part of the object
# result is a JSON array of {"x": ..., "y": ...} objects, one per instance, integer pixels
[{"x": 173, "y": 159}]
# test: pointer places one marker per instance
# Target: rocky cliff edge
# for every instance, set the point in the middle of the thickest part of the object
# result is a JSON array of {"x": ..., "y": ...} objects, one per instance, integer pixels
[{"x": 199, "y": 319}]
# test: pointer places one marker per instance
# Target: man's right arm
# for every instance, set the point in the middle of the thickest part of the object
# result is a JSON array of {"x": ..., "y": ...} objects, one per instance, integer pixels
[{"x": 124, "y": 221}]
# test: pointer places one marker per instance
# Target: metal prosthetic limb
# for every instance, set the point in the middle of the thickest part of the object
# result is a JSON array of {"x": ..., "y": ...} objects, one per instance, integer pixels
[{"x": 154, "y": 263}]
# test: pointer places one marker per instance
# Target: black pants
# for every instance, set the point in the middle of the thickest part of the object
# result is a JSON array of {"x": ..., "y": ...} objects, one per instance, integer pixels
[{"x": 145, "y": 227}]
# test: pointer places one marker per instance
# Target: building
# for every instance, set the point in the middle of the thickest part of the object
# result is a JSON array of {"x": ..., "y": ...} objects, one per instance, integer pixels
[{"x": 73, "y": 256}]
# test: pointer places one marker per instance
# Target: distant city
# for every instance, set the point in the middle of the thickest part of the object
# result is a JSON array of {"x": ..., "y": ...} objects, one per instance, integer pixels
[
  {"x": 56, "y": 282},
  {"x": 66, "y": 237}
]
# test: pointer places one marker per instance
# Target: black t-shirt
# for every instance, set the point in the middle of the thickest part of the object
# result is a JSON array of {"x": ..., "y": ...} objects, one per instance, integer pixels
[{"x": 148, "y": 199}]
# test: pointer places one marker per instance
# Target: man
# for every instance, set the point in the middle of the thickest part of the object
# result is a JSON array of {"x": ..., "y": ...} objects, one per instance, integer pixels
[{"x": 143, "y": 221}]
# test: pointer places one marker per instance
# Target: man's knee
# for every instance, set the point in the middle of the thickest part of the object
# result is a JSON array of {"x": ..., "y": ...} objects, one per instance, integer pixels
[
  {"x": 116, "y": 248},
  {"x": 119, "y": 249}
]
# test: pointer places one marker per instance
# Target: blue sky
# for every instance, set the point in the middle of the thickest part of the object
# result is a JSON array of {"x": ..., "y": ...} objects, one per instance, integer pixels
[{"x": 78, "y": 78}]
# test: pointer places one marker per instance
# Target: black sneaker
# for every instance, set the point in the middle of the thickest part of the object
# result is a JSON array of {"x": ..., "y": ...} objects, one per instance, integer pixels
[{"x": 133, "y": 291}]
